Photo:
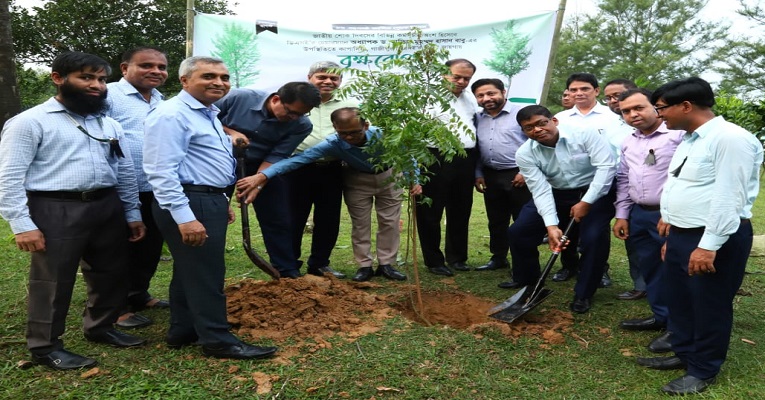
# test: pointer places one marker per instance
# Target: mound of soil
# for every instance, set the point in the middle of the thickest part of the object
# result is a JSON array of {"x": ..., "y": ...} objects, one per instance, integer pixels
[{"x": 301, "y": 314}]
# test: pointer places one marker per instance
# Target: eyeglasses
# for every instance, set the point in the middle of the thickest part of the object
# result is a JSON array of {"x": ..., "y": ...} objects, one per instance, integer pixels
[
  {"x": 659, "y": 108},
  {"x": 293, "y": 113},
  {"x": 540, "y": 124},
  {"x": 614, "y": 97}
]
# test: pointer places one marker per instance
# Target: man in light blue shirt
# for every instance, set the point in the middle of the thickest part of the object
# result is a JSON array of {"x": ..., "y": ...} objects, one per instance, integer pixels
[
  {"x": 69, "y": 193},
  {"x": 190, "y": 165},
  {"x": 706, "y": 206},
  {"x": 129, "y": 102},
  {"x": 569, "y": 177}
]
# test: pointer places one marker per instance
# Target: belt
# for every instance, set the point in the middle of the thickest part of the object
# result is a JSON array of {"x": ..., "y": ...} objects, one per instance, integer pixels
[
  {"x": 513, "y": 169},
  {"x": 649, "y": 208},
  {"x": 325, "y": 163},
  {"x": 701, "y": 228},
  {"x": 203, "y": 189},
  {"x": 89, "y": 195}
]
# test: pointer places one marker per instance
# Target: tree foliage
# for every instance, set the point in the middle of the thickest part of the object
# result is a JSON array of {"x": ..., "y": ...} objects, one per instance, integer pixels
[
  {"x": 106, "y": 28},
  {"x": 743, "y": 67},
  {"x": 9, "y": 95},
  {"x": 35, "y": 86},
  {"x": 511, "y": 52},
  {"x": 238, "y": 47},
  {"x": 648, "y": 41}
]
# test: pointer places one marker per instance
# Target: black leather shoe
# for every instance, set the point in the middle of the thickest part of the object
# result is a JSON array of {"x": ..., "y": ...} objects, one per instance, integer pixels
[
  {"x": 363, "y": 274},
  {"x": 459, "y": 266},
  {"x": 661, "y": 344},
  {"x": 580, "y": 306},
  {"x": 493, "y": 264},
  {"x": 605, "y": 281},
  {"x": 511, "y": 285},
  {"x": 62, "y": 360},
  {"x": 321, "y": 271},
  {"x": 240, "y": 351},
  {"x": 160, "y": 304},
  {"x": 643, "y": 324},
  {"x": 177, "y": 342},
  {"x": 389, "y": 272},
  {"x": 687, "y": 384},
  {"x": 290, "y": 274},
  {"x": 115, "y": 338},
  {"x": 631, "y": 295},
  {"x": 134, "y": 321},
  {"x": 443, "y": 270},
  {"x": 662, "y": 363},
  {"x": 563, "y": 274}
]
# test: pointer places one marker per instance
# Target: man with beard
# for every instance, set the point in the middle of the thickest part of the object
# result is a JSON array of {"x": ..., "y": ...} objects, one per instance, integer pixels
[
  {"x": 706, "y": 206},
  {"x": 450, "y": 186},
  {"x": 319, "y": 184},
  {"x": 79, "y": 202},
  {"x": 497, "y": 176},
  {"x": 129, "y": 102},
  {"x": 271, "y": 126},
  {"x": 190, "y": 165}
]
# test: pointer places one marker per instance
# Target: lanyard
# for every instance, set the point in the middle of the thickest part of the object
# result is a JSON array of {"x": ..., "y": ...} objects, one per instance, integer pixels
[{"x": 114, "y": 143}]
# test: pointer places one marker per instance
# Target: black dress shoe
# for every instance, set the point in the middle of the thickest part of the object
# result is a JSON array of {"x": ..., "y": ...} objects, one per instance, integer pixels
[
  {"x": 290, "y": 274},
  {"x": 459, "y": 266},
  {"x": 661, "y": 344},
  {"x": 662, "y": 363},
  {"x": 580, "y": 306},
  {"x": 321, "y": 271},
  {"x": 389, "y": 272},
  {"x": 687, "y": 384},
  {"x": 62, "y": 360},
  {"x": 563, "y": 274},
  {"x": 115, "y": 338},
  {"x": 605, "y": 281},
  {"x": 363, "y": 274},
  {"x": 493, "y": 264},
  {"x": 643, "y": 324},
  {"x": 631, "y": 295},
  {"x": 160, "y": 304},
  {"x": 511, "y": 285},
  {"x": 177, "y": 342},
  {"x": 240, "y": 351},
  {"x": 134, "y": 321},
  {"x": 442, "y": 270}
]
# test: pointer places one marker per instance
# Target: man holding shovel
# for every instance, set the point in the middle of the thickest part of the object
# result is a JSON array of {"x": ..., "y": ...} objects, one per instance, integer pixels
[{"x": 569, "y": 176}]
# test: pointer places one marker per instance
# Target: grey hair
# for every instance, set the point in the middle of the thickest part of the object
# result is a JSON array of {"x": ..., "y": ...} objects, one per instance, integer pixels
[
  {"x": 323, "y": 66},
  {"x": 189, "y": 65}
]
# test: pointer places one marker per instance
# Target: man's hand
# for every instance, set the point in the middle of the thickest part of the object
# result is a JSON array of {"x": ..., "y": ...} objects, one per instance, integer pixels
[
  {"x": 248, "y": 188},
  {"x": 416, "y": 190},
  {"x": 519, "y": 181},
  {"x": 231, "y": 215},
  {"x": 480, "y": 185},
  {"x": 554, "y": 235},
  {"x": 622, "y": 228},
  {"x": 30, "y": 240},
  {"x": 663, "y": 228},
  {"x": 193, "y": 233},
  {"x": 701, "y": 262},
  {"x": 580, "y": 210},
  {"x": 137, "y": 231},
  {"x": 238, "y": 139}
]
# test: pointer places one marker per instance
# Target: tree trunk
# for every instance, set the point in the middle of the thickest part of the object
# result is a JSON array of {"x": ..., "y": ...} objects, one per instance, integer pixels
[{"x": 9, "y": 93}]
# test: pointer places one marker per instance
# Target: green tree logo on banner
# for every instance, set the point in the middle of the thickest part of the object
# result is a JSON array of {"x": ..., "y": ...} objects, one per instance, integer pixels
[
  {"x": 237, "y": 46},
  {"x": 511, "y": 54}
]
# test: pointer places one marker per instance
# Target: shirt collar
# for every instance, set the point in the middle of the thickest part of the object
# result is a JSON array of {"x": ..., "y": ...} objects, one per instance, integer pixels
[
  {"x": 127, "y": 88},
  {"x": 195, "y": 104}
]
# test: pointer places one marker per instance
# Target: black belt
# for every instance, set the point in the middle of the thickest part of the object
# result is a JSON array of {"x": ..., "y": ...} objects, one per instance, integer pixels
[
  {"x": 203, "y": 189},
  {"x": 89, "y": 195},
  {"x": 581, "y": 191},
  {"x": 701, "y": 228},
  {"x": 649, "y": 208},
  {"x": 513, "y": 169}
]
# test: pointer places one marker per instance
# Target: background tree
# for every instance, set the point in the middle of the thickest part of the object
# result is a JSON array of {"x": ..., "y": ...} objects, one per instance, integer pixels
[
  {"x": 238, "y": 47},
  {"x": 648, "y": 41},
  {"x": 9, "y": 95},
  {"x": 106, "y": 28},
  {"x": 743, "y": 67},
  {"x": 35, "y": 86},
  {"x": 511, "y": 52}
]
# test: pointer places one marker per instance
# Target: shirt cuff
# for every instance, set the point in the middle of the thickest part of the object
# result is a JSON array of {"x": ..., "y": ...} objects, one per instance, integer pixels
[
  {"x": 22, "y": 225},
  {"x": 622, "y": 214},
  {"x": 551, "y": 220},
  {"x": 712, "y": 242},
  {"x": 133, "y": 216},
  {"x": 183, "y": 215}
]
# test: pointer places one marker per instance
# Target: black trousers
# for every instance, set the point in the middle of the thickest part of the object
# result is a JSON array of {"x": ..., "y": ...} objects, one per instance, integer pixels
[
  {"x": 197, "y": 301},
  {"x": 450, "y": 188},
  {"x": 317, "y": 185},
  {"x": 502, "y": 201},
  {"x": 97, "y": 233},
  {"x": 144, "y": 256}
]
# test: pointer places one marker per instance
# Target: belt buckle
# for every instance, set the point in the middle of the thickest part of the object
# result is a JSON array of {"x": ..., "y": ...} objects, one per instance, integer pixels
[{"x": 88, "y": 195}]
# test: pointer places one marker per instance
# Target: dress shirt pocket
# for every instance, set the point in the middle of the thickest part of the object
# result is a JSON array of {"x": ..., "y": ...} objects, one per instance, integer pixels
[{"x": 697, "y": 169}]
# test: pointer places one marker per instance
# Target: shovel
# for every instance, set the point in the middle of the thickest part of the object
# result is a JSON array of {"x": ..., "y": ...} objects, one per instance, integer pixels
[
  {"x": 256, "y": 259},
  {"x": 527, "y": 298}
]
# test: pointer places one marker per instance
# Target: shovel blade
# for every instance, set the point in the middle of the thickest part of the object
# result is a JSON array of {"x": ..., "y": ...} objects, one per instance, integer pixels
[{"x": 511, "y": 310}]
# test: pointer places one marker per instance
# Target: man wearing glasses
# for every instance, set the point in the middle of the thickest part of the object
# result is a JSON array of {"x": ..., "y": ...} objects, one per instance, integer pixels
[
  {"x": 569, "y": 176},
  {"x": 363, "y": 185},
  {"x": 270, "y": 126},
  {"x": 706, "y": 205}
]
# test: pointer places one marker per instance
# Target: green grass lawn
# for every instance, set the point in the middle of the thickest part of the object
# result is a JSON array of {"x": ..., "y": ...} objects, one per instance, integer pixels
[{"x": 404, "y": 360}]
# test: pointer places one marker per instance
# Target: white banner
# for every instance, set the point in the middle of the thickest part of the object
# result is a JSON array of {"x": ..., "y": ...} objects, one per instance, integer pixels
[{"x": 265, "y": 54}]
